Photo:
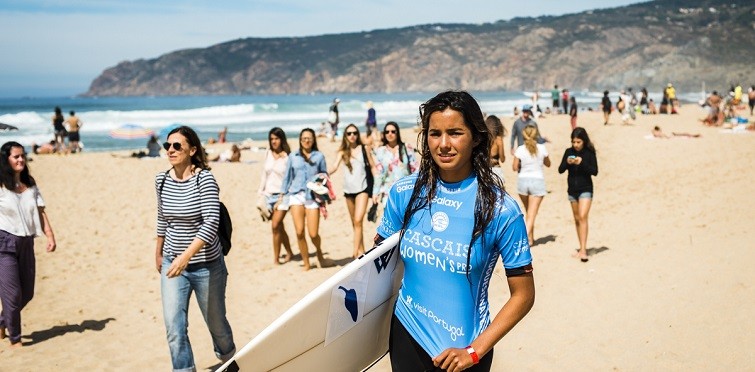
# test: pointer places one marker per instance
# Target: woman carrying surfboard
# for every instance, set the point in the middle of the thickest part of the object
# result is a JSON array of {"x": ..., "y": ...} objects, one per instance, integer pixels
[{"x": 441, "y": 319}]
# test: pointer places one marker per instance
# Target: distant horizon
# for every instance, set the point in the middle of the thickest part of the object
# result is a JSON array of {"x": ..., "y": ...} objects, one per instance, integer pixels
[{"x": 59, "y": 54}]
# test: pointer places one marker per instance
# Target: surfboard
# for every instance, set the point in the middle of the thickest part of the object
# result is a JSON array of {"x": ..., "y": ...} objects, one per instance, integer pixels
[{"x": 342, "y": 325}]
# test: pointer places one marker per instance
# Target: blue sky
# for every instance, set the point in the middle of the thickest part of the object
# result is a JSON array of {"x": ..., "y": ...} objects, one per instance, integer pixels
[{"x": 56, "y": 48}]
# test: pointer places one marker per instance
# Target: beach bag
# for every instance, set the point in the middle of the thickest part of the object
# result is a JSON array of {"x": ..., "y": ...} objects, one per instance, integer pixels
[
  {"x": 368, "y": 170},
  {"x": 225, "y": 225}
]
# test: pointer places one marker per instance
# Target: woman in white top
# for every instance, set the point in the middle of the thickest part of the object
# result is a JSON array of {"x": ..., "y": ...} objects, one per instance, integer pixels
[
  {"x": 358, "y": 181},
  {"x": 22, "y": 217},
  {"x": 271, "y": 181},
  {"x": 529, "y": 159}
]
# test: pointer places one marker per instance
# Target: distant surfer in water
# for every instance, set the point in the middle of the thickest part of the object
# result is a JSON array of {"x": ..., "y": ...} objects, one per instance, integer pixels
[{"x": 441, "y": 320}]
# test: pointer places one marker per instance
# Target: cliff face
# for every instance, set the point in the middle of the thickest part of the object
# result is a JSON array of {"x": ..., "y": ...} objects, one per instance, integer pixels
[{"x": 646, "y": 44}]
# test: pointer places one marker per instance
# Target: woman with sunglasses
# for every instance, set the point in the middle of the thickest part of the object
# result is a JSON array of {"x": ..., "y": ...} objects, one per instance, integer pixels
[
  {"x": 302, "y": 166},
  {"x": 357, "y": 181},
  {"x": 22, "y": 217},
  {"x": 188, "y": 255},
  {"x": 271, "y": 181},
  {"x": 393, "y": 161},
  {"x": 455, "y": 220}
]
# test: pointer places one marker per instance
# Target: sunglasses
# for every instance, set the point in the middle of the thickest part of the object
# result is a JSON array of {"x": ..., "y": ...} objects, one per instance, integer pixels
[
  {"x": 176, "y": 146},
  {"x": 389, "y": 131},
  {"x": 351, "y": 133}
]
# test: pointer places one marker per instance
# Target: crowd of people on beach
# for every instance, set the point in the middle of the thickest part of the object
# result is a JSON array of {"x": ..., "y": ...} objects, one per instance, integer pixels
[
  {"x": 456, "y": 175},
  {"x": 66, "y": 136}
]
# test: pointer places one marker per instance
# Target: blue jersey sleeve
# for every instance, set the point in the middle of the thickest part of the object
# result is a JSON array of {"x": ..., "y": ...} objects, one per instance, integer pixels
[
  {"x": 393, "y": 214},
  {"x": 512, "y": 242}
]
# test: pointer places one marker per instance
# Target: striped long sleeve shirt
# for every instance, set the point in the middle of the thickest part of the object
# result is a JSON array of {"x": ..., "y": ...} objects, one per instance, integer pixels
[{"x": 186, "y": 210}]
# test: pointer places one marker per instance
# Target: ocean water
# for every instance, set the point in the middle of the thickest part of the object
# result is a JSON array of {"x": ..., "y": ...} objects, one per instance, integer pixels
[{"x": 246, "y": 117}]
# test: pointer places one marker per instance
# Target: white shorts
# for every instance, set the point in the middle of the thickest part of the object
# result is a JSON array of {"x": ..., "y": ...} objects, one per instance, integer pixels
[{"x": 299, "y": 198}]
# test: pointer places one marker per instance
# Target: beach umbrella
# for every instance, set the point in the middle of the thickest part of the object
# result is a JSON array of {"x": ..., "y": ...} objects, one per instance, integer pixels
[
  {"x": 7, "y": 127},
  {"x": 163, "y": 133},
  {"x": 131, "y": 131}
]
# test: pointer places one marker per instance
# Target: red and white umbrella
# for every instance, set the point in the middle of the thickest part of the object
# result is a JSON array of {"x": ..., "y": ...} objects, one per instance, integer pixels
[{"x": 131, "y": 131}]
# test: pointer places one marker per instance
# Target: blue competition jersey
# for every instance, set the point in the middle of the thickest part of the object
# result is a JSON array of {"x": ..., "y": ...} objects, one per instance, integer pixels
[{"x": 437, "y": 304}]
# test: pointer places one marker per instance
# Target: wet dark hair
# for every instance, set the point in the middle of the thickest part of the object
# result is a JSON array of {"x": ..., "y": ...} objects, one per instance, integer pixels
[
  {"x": 490, "y": 189},
  {"x": 581, "y": 133},
  {"x": 278, "y": 132},
  {"x": 199, "y": 159},
  {"x": 7, "y": 174}
]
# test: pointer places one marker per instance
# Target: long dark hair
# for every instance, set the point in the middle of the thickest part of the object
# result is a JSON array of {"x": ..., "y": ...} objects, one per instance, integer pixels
[
  {"x": 7, "y": 174},
  {"x": 401, "y": 147},
  {"x": 581, "y": 133},
  {"x": 282, "y": 136},
  {"x": 489, "y": 186},
  {"x": 345, "y": 147},
  {"x": 199, "y": 159},
  {"x": 314, "y": 144}
]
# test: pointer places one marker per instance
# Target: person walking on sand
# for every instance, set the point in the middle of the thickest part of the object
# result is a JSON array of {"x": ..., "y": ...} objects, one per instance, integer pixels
[
  {"x": 528, "y": 162},
  {"x": 393, "y": 160},
  {"x": 605, "y": 106},
  {"x": 519, "y": 124},
  {"x": 581, "y": 162},
  {"x": 59, "y": 129},
  {"x": 573, "y": 112},
  {"x": 74, "y": 124},
  {"x": 301, "y": 167},
  {"x": 271, "y": 190},
  {"x": 358, "y": 181},
  {"x": 22, "y": 217},
  {"x": 188, "y": 254},
  {"x": 456, "y": 201},
  {"x": 554, "y": 100},
  {"x": 333, "y": 119},
  {"x": 497, "y": 150},
  {"x": 371, "y": 122}
]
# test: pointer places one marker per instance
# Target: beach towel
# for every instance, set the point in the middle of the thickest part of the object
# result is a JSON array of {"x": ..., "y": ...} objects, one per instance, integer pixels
[{"x": 321, "y": 188}]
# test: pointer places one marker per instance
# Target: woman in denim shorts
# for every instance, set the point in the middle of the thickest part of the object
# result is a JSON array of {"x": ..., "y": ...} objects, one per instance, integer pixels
[
  {"x": 582, "y": 164},
  {"x": 271, "y": 189},
  {"x": 529, "y": 159}
]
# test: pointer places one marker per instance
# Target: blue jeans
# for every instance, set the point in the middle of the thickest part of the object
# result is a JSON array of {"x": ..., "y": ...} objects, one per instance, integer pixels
[{"x": 208, "y": 280}]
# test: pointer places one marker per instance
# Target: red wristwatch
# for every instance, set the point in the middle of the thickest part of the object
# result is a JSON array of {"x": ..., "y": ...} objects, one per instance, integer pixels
[{"x": 473, "y": 354}]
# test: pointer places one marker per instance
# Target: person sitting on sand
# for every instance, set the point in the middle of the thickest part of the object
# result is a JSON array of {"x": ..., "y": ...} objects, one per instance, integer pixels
[
  {"x": 153, "y": 149},
  {"x": 45, "y": 148},
  {"x": 715, "y": 115},
  {"x": 232, "y": 155},
  {"x": 658, "y": 133}
]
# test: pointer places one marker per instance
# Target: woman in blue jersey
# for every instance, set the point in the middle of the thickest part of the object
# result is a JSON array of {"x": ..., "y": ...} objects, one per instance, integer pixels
[
  {"x": 441, "y": 320},
  {"x": 189, "y": 257},
  {"x": 303, "y": 165}
]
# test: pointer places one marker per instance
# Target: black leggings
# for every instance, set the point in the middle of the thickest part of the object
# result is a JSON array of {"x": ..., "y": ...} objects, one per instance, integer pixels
[{"x": 408, "y": 356}]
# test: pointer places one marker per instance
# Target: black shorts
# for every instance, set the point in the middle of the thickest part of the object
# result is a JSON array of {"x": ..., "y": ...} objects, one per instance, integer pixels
[
  {"x": 408, "y": 355},
  {"x": 73, "y": 136}
]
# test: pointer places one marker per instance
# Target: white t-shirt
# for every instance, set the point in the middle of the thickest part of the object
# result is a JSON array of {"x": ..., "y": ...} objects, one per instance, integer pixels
[
  {"x": 531, "y": 166},
  {"x": 19, "y": 213}
]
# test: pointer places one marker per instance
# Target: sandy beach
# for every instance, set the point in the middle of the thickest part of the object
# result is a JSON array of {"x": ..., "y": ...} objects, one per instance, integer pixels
[{"x": 669, "y": 284}]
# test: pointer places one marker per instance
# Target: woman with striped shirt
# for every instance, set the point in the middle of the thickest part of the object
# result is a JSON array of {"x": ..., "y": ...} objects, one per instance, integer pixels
[{"x": 189, "y": 255}]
